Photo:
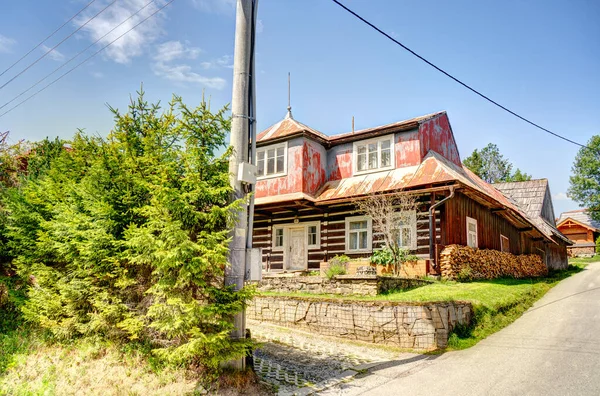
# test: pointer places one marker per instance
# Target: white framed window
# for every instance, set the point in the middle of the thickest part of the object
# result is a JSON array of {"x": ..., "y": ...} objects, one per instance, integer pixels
[
  {"x": 504, "y": 244},
  {"x": 472, "y": 232},
  {"x": 407, "y": 229},
  {"x": 359, "y": 234},
  {"x": 374, "y": 154},
  {"x": 278, "y": 237},
  {"x": 271, "y": 161}
]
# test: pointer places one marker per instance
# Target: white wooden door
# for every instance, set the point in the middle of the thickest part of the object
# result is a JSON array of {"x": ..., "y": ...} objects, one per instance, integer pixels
[{"x": 297, "y": 249}]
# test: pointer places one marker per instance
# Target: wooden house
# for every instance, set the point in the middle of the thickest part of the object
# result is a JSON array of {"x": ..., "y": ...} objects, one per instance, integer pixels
[
  {"x": 579, "y": 227},
  {"x": 308, "y": 183}
]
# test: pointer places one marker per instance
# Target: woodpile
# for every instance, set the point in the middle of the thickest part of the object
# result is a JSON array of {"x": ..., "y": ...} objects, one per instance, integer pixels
[{"x": 466, "y": 263}]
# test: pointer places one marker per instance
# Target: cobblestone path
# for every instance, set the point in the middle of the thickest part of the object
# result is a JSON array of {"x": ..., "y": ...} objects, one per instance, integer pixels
[{"x": 300, "y": 363}]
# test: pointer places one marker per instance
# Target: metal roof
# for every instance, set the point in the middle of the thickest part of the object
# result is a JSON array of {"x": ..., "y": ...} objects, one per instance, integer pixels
[
  {"x": 581, "y": 216},
  {"x": 289, "y": 126}
]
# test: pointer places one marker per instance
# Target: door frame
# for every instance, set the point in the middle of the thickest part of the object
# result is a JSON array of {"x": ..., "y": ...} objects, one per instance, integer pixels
[{"x": 286, "y": 237}]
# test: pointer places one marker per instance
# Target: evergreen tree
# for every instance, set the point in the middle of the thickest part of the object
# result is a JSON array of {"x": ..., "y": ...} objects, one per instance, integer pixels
[
  {"x": 127, "y": 237},
  {"x": 585, "y": 181}
]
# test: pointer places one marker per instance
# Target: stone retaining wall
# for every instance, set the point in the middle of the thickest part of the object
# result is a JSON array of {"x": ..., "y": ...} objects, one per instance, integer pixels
[
  {"x": 407, "y": 325},
  {"x": 365, "y": 285}
]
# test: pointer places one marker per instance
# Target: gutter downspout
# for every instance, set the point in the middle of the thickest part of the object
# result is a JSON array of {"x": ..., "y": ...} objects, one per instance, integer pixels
[{"x": 432, "y": 225}]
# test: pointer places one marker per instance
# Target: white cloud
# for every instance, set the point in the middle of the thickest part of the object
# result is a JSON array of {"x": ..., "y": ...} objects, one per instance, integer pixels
[
  {"x": 184, "y": 74},
  {"x": 259, "y": 26},
  {"x": 561, "y": 196},
  {"x": 6, "y": 44},
  {"x": 215, "y": 6},
  {"x": 54, "y": 54},
  {"x": 135, "y": 42},
  {"x": 172, "y": 50},
  {"x": 225, "y": 61}
]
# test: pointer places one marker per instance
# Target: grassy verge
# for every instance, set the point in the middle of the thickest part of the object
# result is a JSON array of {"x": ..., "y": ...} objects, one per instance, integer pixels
[
  {"x": 496, "y": 303},
  {"x": 584, "y": 260},
  {"x": 33, "y": 365}
]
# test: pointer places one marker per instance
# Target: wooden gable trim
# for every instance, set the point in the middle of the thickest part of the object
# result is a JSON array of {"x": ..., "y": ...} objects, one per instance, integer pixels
[{"x": 575, "y": 222}]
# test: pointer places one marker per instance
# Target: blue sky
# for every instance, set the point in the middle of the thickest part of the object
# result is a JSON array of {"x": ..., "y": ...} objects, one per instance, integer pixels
[{"x": 539, "y": 58}]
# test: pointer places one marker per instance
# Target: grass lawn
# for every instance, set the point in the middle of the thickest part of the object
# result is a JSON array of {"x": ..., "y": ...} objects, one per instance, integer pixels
[{"x": 496, "y": 303}]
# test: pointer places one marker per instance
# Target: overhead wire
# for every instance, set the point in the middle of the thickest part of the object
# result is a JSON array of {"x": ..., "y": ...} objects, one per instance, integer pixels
[
  {"x": 86, "y": 59},
  {"x": 459, "y": 81},
  {"x": 77, "y": 55},
  {"x": 56, "y": 46},
  {"x": 47, "y": 37}
]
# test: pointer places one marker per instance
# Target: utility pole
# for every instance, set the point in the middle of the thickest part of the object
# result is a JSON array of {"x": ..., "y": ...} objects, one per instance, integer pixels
[{"x": 242, "y": 117}]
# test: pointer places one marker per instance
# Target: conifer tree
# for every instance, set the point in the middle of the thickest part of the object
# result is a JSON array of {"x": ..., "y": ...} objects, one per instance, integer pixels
[{"x": 127, "y": 237}]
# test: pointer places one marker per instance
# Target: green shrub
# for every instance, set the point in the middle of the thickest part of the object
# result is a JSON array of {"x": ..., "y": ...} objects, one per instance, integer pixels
[
  {"x": 383, "y": 257},
  {"x": 338, "y": 265},
  {"x": 339, "y": 260},
  {"x": 335, "y": 269}
]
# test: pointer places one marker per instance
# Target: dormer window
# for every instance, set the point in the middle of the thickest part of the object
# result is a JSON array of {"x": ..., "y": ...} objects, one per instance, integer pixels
[
  {"x": 374, "y": 154},
  {"x": 271, "y": 161}
]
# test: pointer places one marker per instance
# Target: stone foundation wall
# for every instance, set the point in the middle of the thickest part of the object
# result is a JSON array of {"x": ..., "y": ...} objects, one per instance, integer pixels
[
  {"x": 364, "y": 285},
  {"x": 574, "y": 251},
  {"x": 416, "y": 326}
]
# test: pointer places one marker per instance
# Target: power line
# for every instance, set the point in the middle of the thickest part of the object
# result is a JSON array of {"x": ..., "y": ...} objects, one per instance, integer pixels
[
  {"x": 85, "y": 60},
  {"x": 53, "y": 48},
  {"x": 76, "y": 56},
  {"x": 47, "y": 37},
  {"x": 459, "y": 81}
]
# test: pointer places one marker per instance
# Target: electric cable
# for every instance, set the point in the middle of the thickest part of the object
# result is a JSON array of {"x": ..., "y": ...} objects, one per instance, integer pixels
[
  {"x": 76, "y": 56},
  {"x": 85, "y": 60},
  {"x": 459, "y": 81},
  {"x": 47, "y": 37},
  {"x": 53, "y": 48}
]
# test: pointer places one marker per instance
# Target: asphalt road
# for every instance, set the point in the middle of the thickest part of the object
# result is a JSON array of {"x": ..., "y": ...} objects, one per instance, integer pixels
[{"x": 553, "y": 349}]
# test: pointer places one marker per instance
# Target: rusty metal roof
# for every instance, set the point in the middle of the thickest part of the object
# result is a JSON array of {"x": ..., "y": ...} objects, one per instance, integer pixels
[
  {"x": 289, "y": 126},
  {"x": 395, "y": 126}
]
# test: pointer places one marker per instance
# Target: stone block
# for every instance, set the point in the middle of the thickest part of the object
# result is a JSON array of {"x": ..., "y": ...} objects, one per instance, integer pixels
[
  {"x": 425, "y": 342},
  {"x": 441, "y": 338},
  {"x": 422, "y": 327},
  {"x": 437, "y": 318},
  {"x": 451, "y": 316},
  {"x": 443, "y": 311}
]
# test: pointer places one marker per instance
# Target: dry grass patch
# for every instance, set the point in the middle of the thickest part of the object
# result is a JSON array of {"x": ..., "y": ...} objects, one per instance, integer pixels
[{"x": 90, "y": 369}]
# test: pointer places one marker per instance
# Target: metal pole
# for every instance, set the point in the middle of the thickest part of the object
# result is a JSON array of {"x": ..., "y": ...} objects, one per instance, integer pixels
[{"x": 235, "y": 272}]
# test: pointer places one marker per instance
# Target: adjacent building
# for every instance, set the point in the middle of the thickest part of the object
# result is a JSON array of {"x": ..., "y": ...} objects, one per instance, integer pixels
[{"x": 579, "y": 227}]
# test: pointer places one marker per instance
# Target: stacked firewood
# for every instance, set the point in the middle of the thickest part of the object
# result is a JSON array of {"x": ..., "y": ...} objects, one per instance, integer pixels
[{"x": 466, "y": 263}]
